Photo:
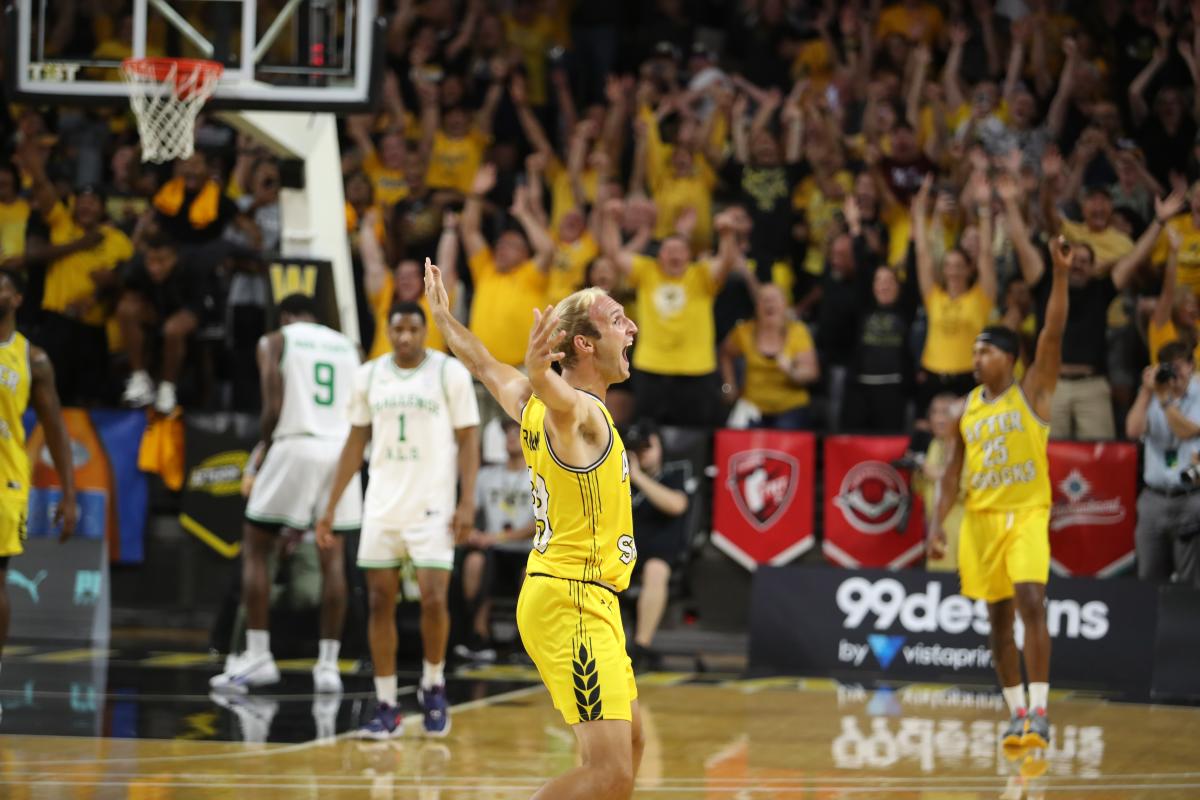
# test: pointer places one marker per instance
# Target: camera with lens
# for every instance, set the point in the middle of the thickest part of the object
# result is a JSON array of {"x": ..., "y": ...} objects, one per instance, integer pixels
[
  {"x": 1164, "y": 374},
  {"x": 637, "y": 436},
  {"x": 1190, "y": 476}
]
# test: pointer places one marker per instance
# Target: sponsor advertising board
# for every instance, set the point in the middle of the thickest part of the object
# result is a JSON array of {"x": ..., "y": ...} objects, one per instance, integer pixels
[
  {"x": 915, "y": 626},
  {"x": 1094, "y": 512},
  {"x": 872, "y": 517},
  {"x": 763, "y": 495}
]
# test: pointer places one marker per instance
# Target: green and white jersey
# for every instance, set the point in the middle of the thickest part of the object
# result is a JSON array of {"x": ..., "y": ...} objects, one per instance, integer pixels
[
  {"x": 318, "y": 367},
  {"x": 413, "y": 414}
]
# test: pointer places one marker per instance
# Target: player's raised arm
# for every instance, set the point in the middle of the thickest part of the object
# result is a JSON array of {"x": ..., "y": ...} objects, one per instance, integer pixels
[
  {"x": 44, "y": 399},
  {"x": 1042, "y": 377},
  {"x": 506, "y": 383},
  {"x": 564, "y": 404}
]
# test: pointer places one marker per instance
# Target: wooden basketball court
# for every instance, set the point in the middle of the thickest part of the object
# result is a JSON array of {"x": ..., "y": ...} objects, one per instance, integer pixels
[{"x": 706, "y": 738}]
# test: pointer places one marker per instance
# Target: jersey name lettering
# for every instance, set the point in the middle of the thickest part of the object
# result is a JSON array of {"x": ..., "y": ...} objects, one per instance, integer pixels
[{"x": 532, "y": 438}]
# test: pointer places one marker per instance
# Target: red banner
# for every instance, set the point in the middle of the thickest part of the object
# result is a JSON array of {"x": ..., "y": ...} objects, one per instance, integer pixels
[
  {"x": 1095, "y": 507},
  {"x": 763, "y": 495},
  {"x": 872, "y": 517}
]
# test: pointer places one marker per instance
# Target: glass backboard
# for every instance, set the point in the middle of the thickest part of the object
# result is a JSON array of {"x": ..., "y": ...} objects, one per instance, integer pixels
[{"x": 300, "y": 55}]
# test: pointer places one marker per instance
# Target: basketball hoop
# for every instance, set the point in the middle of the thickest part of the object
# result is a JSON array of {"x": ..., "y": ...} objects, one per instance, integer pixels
[{"x": 166, "y": 95}]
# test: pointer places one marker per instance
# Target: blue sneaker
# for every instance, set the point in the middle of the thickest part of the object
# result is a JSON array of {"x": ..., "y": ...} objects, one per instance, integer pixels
[
  {"x": 388, "y": 723},
  {"x": 436, "y": 710}
]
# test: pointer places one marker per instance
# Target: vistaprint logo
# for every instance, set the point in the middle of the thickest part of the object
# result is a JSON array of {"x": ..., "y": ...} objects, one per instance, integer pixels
[
  {"x": 892, "y": 606},
  {"x": 886, "y": 648}
]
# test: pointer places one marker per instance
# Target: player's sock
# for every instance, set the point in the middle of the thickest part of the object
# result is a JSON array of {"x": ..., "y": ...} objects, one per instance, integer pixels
[
  {"x": 1015, "y": 697},
  {"x": 258, "y": 643},
  {"x": 385, "y": 690},
  {"x": 433, "y": 674},
  {"x": 327, "y": 651},
  {"x": 1039, "y": 695}
]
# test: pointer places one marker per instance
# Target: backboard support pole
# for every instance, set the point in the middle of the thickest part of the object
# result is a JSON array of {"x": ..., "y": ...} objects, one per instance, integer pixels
[{"x": 313, "y": 218}]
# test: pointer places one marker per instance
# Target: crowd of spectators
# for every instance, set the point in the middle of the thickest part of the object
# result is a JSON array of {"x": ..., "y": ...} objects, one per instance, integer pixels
[{"x": 810, "y": 208}]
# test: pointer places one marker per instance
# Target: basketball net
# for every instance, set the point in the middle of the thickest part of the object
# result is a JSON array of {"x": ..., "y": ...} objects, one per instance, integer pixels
[{"x": 166, "y": 94}]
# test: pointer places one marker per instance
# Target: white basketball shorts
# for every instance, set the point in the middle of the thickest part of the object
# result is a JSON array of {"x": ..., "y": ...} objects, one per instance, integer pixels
[{"x": 293, "y": 485}]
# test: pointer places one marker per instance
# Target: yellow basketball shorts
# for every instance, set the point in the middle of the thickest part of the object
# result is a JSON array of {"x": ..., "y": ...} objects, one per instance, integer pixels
[
  {"x": 14, "y": 508},
  {"x": 999, "y": 548},
  {"x": 572, "y": 630}
]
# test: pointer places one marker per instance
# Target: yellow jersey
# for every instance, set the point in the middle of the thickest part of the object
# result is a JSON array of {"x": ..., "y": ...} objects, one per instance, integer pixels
[
  {"x": 767, "y": 387},
  {"x": 454, "y": 162},
  {"x": 583, "y": 517},
  {"x": 1005, "y": 463},
  {"x": 1189, "y": 251},
  {"x": 15, "y": 381},
  {"x": 503, "y": 304},
  {"x": 954, "y": 322},
  {"x": 569, "y": 267},
  {"x": 381, "y": 305},
  {"x": 675, "y": 315}
]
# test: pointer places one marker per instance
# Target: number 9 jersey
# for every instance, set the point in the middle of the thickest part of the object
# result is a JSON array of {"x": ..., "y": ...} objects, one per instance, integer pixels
[{"x": 583, "y": 515}]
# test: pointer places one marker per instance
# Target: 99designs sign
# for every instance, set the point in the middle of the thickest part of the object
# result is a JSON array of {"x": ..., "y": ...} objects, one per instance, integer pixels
[
  {"x": 763, "y": 495},
  {"x": 872, "y": 518},
  {"x": 914, "y": 625}
]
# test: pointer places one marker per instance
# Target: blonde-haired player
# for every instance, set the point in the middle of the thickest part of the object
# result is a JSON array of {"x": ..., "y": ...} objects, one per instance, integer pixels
[
  {"x": 583, "y": 551},
  {"x": 1004, "y": 540}
]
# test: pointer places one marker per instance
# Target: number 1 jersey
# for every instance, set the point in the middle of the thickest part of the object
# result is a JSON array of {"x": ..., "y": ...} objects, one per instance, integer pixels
[
  {"x": 583, "y": 527},
  {"x": 317, "y": 365},
  {"x": 413, "y": 414}
]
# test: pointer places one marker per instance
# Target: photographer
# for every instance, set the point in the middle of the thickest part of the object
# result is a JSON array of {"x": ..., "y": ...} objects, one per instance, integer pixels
[
  {"x": 660, "y": 504},
  {"x": 1166, "y": 417}
]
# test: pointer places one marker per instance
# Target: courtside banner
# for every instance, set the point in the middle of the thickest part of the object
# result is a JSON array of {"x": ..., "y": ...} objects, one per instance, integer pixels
[
  {"x": 872, "y": 516},
  {"x": 212, "y": 505},
  {"x": 911, "y": 625},
  {"x": 110, "y": 491},
  {"x": 1095, "y": 502},
  {"x": 763, "y": 495}
]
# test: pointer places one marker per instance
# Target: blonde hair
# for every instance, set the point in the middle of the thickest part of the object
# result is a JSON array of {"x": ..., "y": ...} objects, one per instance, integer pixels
[{"x": 574, "y": 317}]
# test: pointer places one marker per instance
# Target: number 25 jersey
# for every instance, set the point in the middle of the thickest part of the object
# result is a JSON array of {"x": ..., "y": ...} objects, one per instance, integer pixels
[
  {"x": 1005, "y": 462},
  {"x": 583, "y": 528}
]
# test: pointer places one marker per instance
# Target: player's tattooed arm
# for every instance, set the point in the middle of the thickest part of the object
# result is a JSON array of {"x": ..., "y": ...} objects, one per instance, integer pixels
[
  {"x": 506, "y": 383},
  {"x": 44, "y": 399}
]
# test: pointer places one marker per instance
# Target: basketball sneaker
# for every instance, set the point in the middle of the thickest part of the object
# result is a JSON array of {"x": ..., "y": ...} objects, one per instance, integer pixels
[
  {"x": 388, "y": 723},
  {"x": 436, "y": 710},
  {"x": 254, "y": 714},
  {"x": 1011, "y": 739},
  {"x": 245, "y": 672},
  {"x": 1037, "y": 734},
  {"x": 324, "y": 711},
  {"x": 327, "y": 679},
  {"x": 139, "y": 390}
]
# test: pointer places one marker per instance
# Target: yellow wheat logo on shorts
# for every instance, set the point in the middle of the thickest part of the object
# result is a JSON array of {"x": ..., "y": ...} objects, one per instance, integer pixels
[{"x": 587, "y": 684}]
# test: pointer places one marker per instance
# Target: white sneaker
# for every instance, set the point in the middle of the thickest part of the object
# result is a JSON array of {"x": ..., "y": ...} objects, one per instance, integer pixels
[
  {"x": 325, "y": 710},
  {"x": 165, "y": 402},
  {"x": 327, "y": 679},
  {"x": 254, "y": 714},
  {"x": 139, "y": 390},
  {"x": 246, "y": 672}
]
